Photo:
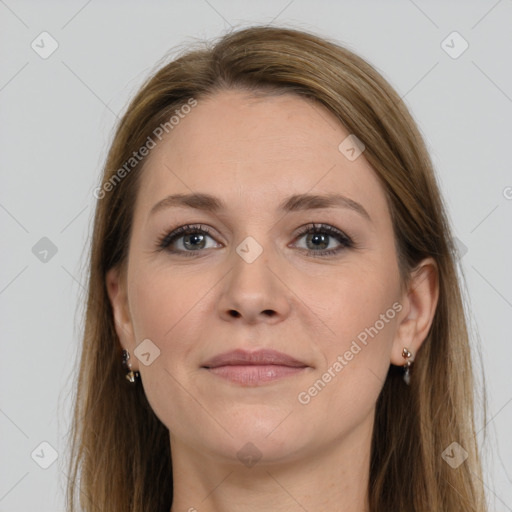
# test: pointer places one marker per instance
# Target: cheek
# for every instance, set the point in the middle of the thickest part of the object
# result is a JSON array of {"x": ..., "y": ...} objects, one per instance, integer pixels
[
  {"x": 345, "y": 390},
  {"x": 359, "y": 306},
  {"x": 356, "y": 356},
  {"x": 163, "y": 308},
  {"x": 160, "y": 300}
]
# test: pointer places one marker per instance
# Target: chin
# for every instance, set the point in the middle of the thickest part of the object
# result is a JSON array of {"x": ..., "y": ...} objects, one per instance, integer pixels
[{"x": 261, "y": 438}]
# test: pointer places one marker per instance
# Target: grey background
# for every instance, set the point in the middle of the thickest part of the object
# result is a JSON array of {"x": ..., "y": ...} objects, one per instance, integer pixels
[{"x": 57, "y": 119}]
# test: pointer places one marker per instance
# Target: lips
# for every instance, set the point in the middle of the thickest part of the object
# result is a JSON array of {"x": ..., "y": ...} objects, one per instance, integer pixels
[
  {"x": 250, "y": 369},
  {"x": 263, "y": 357}
]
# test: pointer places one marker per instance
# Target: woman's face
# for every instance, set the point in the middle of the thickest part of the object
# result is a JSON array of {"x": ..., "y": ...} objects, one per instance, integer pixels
[{"x": 256, "y": 281}]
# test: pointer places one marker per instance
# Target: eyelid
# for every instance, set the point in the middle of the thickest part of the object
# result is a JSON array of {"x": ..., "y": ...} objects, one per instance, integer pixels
[
  {"x": 173, "y": 234},
  {"x": 345, "y": 241},
  {"x": 322, "y": 227}
]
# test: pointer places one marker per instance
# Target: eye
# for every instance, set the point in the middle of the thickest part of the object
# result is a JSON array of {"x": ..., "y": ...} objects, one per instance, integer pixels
[
  {"x": 319, "y": 236},
  {"x": 193, "y": 239}
]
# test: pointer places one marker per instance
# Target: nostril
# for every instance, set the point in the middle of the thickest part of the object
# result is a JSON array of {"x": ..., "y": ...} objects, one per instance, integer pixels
[{"x": 234, "y": 313}]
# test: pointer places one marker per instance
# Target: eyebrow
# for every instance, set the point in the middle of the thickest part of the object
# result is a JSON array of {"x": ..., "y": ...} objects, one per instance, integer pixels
[{"x": 294, "y": 203}]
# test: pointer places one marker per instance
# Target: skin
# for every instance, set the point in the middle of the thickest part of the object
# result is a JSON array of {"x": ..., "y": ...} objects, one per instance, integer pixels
[{"x": 252, "y": 153}]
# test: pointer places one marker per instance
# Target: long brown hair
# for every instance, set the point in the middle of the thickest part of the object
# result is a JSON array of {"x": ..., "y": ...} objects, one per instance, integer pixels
[{"x": 120, "y": 450}]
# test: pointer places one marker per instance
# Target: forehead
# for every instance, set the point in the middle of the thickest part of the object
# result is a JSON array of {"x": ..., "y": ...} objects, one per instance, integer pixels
[{"x": 257, "y": 150}]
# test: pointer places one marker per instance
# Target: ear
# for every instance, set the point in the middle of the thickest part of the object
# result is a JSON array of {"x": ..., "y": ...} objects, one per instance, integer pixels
[
  {"x": 116, "y": 289},
  {"x": 419, "y": 306}
]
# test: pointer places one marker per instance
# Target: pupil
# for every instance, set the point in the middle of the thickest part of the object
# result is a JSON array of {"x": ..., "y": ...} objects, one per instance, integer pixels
[
  {"x": 193, "y": 236},
  {"x": 316, "y": 237}
]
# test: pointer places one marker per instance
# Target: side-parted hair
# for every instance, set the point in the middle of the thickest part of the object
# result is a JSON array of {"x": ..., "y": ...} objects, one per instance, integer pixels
[{"x": 120, "y": 458}]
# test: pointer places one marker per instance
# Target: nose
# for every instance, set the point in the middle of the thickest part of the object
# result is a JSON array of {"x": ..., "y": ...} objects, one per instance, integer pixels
[{"x": 255, "y": 291}]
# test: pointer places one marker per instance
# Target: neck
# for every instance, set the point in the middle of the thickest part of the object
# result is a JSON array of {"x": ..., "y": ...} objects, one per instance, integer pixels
[{"x": 333, "y": 477}]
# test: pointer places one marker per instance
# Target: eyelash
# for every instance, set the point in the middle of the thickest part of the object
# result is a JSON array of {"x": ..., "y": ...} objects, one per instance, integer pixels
[{"x": 346, "y": 242}]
